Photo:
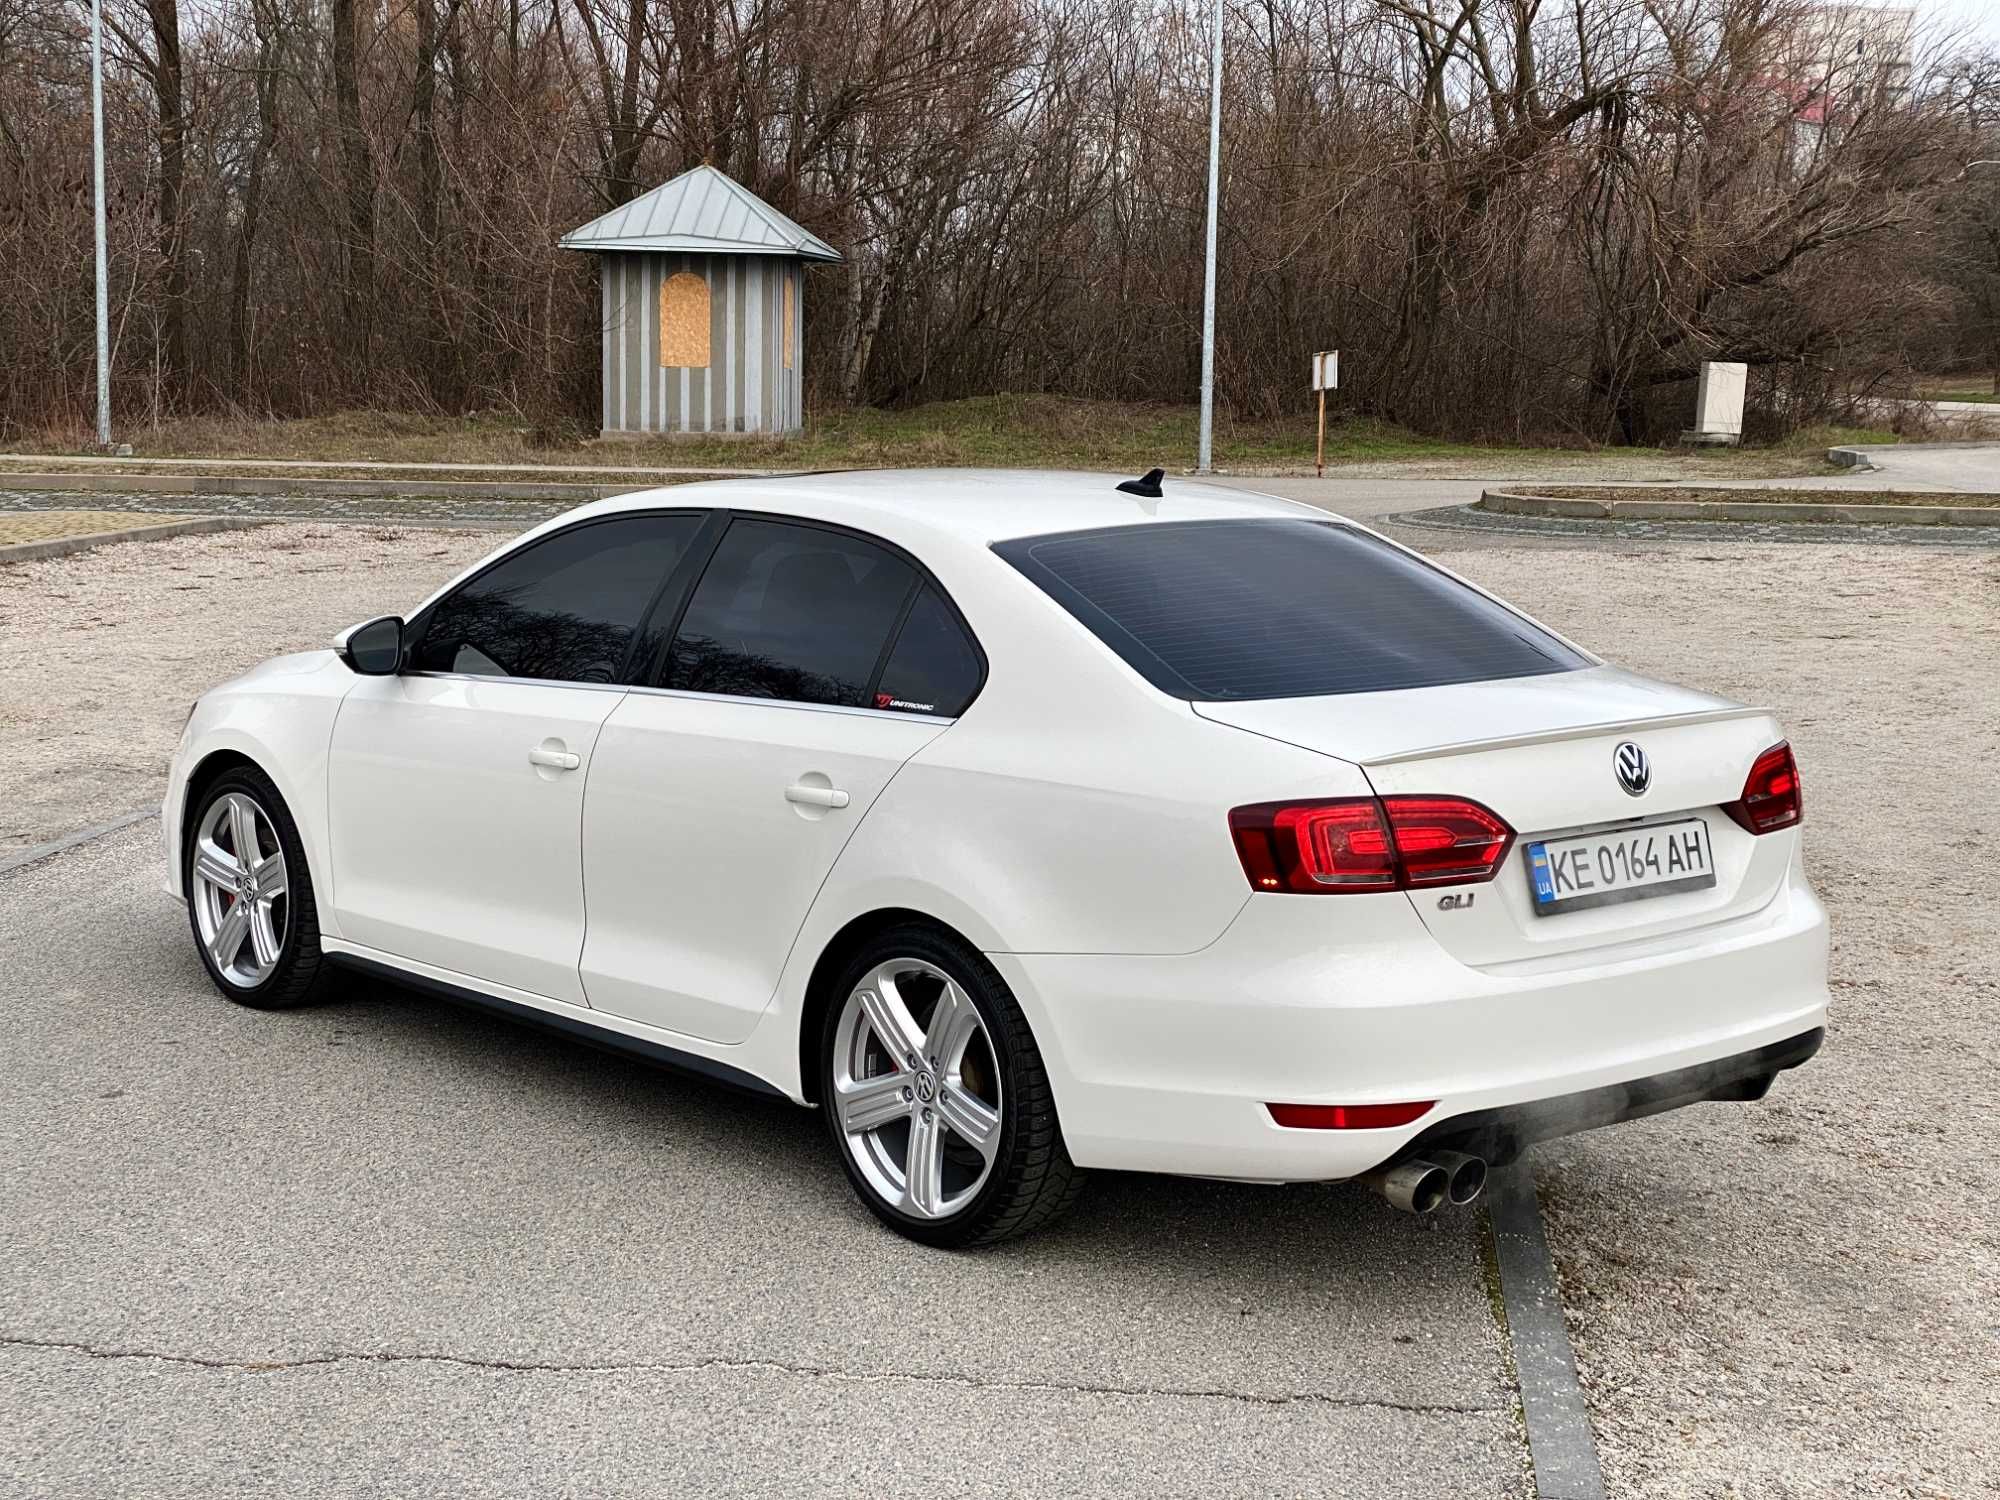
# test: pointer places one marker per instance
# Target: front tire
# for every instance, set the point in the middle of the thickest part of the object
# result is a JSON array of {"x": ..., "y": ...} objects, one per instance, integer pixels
[
  {"x": 936, "y": 1095},
  {"x": 250, "y": 896}
]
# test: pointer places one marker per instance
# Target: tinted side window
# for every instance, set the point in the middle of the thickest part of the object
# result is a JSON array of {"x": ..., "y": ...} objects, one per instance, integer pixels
[
  {"x": 562, "y": 609},
  {"x": 789, "y": 612},
  {"x": 934, "y": 668},
  {"x": 1280, "y": 608}
]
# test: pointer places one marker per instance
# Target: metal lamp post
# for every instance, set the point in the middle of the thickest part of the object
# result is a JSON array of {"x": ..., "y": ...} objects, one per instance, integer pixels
[
  {"x": 103, "y": 275},
  {"x": 1205, "y": 464}
]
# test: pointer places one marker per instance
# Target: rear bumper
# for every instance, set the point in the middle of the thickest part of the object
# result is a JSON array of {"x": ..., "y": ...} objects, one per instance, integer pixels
[
  {"x": 1166, "y": 1064},
  {"x": 1501, "y": 1135}
]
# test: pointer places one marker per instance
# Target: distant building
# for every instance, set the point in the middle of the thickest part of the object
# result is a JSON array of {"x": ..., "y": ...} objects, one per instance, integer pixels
[
  {"x": 702, "y": 288},
  {"x": 1844, "y": 57}
]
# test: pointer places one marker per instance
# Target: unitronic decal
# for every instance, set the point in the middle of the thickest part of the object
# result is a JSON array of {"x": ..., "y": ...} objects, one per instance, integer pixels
[{"x": 886, "y": 700}]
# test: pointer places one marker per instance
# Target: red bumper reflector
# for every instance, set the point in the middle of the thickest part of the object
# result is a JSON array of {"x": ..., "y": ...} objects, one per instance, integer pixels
[{"x": 1348, "y": 1116}]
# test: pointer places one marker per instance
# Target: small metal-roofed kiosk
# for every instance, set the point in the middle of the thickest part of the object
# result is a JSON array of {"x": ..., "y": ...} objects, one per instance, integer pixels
[{"x": 703, "y": 299}]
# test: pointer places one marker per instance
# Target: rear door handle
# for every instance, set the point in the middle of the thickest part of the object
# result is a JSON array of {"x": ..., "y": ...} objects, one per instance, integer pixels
[
  {"x": 560, "y": 760},
  {"x": 816, "y": 796}
]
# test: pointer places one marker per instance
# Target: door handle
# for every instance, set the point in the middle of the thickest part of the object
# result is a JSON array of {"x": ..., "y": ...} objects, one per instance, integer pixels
[
  {"x": 559, "y": 760},
  {"x": 815, "y": 796}
]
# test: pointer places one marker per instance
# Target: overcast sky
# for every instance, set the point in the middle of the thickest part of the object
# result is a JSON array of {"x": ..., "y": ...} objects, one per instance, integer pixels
[{"x": 1979, "y": 20}]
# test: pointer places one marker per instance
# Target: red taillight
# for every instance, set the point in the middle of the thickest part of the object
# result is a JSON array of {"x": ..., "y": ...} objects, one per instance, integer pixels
[
  {"x": 1368, "y": 843},
  {"x": 1315, "y": 846},
  {"x": 1446, "y": 840},
  {"x": 1347, "y": 1116},
  {"x": 1771, "y": 797}
]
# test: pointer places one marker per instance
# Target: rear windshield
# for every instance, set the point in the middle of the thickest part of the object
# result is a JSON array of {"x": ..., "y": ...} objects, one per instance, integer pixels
[{"x": 1218, "y": 611}]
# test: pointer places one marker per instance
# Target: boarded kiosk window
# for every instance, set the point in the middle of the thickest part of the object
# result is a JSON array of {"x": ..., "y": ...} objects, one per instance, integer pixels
[
  {"x": 791, "y": 314},
  {"x": 684, "y": 321}
]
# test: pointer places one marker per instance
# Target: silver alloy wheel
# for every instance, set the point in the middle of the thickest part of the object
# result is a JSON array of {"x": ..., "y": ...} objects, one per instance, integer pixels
[
  {"x": 916, "y": 1088},
  {"x": 240, "y": 889}
]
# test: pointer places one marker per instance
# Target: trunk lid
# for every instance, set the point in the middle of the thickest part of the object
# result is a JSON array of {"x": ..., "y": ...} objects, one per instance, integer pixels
[{"x": 1539, "y": 752}]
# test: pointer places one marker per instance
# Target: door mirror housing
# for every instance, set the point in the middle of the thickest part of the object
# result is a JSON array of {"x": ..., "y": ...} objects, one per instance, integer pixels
[{"x": 376, "y": 648}]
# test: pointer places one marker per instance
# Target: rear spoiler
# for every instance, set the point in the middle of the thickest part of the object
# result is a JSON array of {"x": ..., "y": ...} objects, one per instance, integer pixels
[{"x": 1574, "y": 732}]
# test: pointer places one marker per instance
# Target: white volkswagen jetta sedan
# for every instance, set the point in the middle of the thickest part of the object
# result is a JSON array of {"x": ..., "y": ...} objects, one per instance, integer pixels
[{"x": 1026, "y": 823}]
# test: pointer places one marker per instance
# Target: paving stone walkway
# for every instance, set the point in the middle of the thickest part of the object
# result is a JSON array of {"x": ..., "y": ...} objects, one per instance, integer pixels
[
  {"x": 111, "y": 511},
  {"x": 417, "y": 510},
  {"x": 51, "y": 525},
  {"x": 1468, "y": 518}
]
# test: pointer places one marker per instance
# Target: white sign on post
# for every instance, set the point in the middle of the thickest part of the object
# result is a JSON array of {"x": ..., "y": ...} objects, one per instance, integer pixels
[{"x": 1326, "y": 377}]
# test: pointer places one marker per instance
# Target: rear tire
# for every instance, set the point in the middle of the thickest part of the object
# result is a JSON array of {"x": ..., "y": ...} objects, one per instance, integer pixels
[
  {"x": 927, "y": 1061},
  {"x": 254, "y": 921}
]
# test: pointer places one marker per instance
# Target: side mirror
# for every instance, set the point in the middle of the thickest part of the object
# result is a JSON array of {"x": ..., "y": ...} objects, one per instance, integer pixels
[{"x": 375, "y": 649}]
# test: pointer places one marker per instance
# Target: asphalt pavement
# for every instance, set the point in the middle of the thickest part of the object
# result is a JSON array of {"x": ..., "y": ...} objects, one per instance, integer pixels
[
  {"x": 1962, "y": 467},
  {"x": 388, "y": 1246}
]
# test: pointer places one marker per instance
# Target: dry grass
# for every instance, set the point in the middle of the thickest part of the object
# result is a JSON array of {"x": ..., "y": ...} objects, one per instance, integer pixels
[
  {"x": 995, "y": 431},
  {"x": 1968, "y": 385}
]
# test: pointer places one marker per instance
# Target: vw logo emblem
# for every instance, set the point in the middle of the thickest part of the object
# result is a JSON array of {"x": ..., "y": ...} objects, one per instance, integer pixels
[
  {"x": 926, "y": 1088},
  {"x": 1635, "y": 772}
]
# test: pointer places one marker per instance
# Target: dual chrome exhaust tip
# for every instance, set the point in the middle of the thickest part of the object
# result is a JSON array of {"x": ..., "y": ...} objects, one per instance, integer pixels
[{"x": 1424, "y": 1184}]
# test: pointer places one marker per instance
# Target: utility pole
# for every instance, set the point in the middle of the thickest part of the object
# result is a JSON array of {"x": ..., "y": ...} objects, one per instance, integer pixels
[
  {"x": 1205, "y": 463},
  {"x": 103, "y": 273}
]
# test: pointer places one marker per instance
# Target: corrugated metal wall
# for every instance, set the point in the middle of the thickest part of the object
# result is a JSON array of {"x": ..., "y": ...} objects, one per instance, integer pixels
[{"x": 747, "y": 387}]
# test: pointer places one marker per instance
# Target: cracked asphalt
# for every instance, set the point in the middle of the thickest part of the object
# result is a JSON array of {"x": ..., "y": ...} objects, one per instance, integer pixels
[{"x": 386, "y": 1245}]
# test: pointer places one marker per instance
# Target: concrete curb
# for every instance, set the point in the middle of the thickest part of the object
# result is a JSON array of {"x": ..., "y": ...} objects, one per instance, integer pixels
[
  {"x": 70, "y": 840},
  {"x": 62, "y": 546},
  {"x": 1560, "y": 1443},
  {"x": 367, "y": 489},
  {"x": 1507, "y": 503}
]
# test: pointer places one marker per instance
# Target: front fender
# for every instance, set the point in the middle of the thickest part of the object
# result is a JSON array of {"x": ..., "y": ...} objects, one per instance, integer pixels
[{"x": 280, "y": 718}]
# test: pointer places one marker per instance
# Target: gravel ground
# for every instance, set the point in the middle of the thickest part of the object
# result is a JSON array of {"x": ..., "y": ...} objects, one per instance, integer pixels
[
  {"x": 140, "y": 628},
  {"x": 1802, "y": 1298}
]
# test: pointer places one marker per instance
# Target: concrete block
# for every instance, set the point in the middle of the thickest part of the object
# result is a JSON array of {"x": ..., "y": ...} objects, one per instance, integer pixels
[{"x": 1718, "y": 403}]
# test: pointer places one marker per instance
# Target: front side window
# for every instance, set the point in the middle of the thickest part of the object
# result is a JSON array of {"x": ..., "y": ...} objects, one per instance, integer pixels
[
  {"x": 1219, "y": 611},
  {"x": 790, "y": 612},
  {"x": 563, "y": 609}
]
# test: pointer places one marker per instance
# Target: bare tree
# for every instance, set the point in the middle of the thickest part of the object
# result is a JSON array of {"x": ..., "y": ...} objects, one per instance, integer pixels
[
  {"x": 1516, "y": 220},
  {"x": 357, "y": 175}
]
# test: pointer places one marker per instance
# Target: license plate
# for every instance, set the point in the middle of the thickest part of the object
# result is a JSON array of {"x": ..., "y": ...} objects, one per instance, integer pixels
[{"x": 1626, "y": 864}]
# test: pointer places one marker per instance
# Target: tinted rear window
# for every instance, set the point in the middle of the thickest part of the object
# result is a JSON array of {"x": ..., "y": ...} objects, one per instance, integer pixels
[
  {"x": 790, "y": 612},
  {"x": 1224, "y": 610},
  {"x": 934, "y": 668}
]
